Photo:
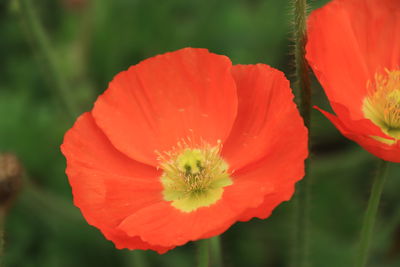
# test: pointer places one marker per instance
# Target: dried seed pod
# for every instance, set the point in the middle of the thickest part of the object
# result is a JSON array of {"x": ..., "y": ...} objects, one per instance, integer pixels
[{"x": 10, "y": 178}]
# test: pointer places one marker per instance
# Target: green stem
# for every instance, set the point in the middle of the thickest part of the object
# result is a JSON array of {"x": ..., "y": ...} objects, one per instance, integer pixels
[
  {"x": 210, "y": 252},
  {"x": 136, "y": 258},
  {"x": 388, "y": 230},
  {"x": 48, "y": 205},
  {"x": 302, "y": 82},
  {"x": 302, "y": 201},
  {"x": 216, "y": 251},
  {"x": 302, "y": 85},
  {"x": 41, "y": 41},
  {"x": 371, "y": 213},
  {"x": 203, "y": 253}
]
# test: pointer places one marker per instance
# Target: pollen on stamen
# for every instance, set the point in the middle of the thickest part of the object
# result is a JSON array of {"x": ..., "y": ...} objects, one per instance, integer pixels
[
  {"x": 193, "y": 176},
  {"x": 382, "y": 104}
]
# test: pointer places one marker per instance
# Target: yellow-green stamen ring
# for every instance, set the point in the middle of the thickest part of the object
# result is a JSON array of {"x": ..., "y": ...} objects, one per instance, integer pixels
[
  {"x": 382, "y": 105},
  {"x": 194, "y": 177}
]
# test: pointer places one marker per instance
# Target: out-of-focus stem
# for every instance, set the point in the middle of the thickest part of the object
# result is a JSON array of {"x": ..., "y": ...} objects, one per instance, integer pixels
[
  {"x": 47, "y": 204},
  {"x": 209, "y": 252},
  {"x": 41, "y": 41},
  {"x": 371, "y": 214},
  {"x": 203, "y": 253},
  {"x": 136, "y": 258},
  {"x": 300, "y": 257},
  {"x": 216, "y": 251}
]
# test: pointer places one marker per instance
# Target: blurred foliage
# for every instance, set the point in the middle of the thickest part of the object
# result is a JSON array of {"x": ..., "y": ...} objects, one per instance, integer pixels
[{"x": 94, "y": 40}]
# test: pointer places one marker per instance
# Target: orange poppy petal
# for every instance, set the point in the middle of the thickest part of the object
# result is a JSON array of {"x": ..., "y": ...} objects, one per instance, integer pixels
[
  {"x": 375, "y": 25},
  {"x": 122, "y": 240},
  {"x": 282, "y": 169},
  {"x": 361, "y": 126},
  {"x": 348, "y": 128},
  {"x": 107, "y": 186},
  {"x": 267, "y": 116},
  {"x": 271, "y": 201},
  {"x": 334, "y": 54},
  {"x": 163, "y": 225},
  {"x": 186, "y": 94},
  {"x": 348, "y": 42}
]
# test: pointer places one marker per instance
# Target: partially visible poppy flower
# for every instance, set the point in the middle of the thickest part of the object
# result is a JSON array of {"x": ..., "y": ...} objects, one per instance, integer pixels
[
  {"x": 354, "y": 49},
  {"x": 183, "y": 145}
]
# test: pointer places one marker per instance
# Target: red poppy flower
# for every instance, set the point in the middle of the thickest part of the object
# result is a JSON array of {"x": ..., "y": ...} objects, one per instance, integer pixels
[
  {"x": 183, "y": 145},
  {"x": 354, "y": 49}
]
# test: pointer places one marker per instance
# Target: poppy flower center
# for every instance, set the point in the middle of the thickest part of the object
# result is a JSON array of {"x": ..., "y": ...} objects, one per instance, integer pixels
[
  {"x": 382, "y": 105},
  {"x": 193, "y": 177}
]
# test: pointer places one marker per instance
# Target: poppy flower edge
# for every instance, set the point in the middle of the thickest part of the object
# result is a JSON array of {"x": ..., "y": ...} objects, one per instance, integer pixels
[{"x": 171, "y": 194}]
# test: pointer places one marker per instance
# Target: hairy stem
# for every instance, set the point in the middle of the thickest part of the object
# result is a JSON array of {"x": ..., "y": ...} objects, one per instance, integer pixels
[
  {"x": 300, "y": 257},
  {"x": 302, "y": 82}
]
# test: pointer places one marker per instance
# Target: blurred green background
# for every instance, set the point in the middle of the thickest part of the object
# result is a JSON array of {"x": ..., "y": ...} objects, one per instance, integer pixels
[{"x": 90, "y": 42}]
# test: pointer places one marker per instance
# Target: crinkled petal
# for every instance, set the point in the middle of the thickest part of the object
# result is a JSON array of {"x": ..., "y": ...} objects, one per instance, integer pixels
[
  {"x": 267, "y": 117},
  {"x": 162, "y": 224},
  {"x": 333, "y": 52},
  {"x": 188, "y": 94},
  {"x": 360, "y": 126},
  {"x": 122, "y": 240},
  {"x": 282, "y": 169},
  {"x": 348, "y": 128},
  {"x": 268, "y": 143},
  {"x": 107, "y": 185}
]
